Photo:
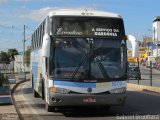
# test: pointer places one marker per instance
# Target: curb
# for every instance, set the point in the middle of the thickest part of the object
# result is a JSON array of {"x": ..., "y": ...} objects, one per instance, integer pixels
[
  {"x": 14, "y": 101},
  {"x": 143, "y": 87}
]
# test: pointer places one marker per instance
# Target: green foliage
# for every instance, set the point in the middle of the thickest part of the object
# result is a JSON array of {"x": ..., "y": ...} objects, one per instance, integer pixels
[
  {"x": 3, "y": 79},
  {"x": 11, "y": 53},
  {"x": 27, "y": 57},
  {"x": 4, "y": 58}
]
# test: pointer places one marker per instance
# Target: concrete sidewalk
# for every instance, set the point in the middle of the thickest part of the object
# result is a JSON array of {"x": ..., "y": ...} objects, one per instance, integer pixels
[
  {"x": 146, "y": 82},
  {"x": 144, "y": 85},
  {"x": 143, "y": 88}
]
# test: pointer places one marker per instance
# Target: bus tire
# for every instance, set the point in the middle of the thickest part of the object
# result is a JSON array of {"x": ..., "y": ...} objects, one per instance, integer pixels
[
  {"x": 43, "y": 88},
  {"x": 35, "y": 94}
]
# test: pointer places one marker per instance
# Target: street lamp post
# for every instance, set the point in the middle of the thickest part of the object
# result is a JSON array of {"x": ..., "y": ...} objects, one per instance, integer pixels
[{"x": 24, "y": 40}]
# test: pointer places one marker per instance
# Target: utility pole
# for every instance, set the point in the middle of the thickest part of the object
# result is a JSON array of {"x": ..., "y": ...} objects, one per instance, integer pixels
[
  {"x": 24, "y": 39},
  {"x": 157, "y": 47}
]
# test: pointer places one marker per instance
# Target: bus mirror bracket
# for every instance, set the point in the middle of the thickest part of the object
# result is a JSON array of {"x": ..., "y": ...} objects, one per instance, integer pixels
[
  {"x": 46, "y": 45},
  {"x": 135, "y": 45}
]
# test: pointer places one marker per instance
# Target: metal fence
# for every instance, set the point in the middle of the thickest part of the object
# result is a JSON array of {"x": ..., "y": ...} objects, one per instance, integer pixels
[
  {"x": 150, "y": 76},
  {"x": 6, "y": 68}
]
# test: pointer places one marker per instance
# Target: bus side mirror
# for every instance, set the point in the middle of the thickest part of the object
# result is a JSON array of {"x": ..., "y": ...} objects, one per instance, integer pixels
[
  {"x": 135, "y": 45},
  {"x": 46, "y": 46}
]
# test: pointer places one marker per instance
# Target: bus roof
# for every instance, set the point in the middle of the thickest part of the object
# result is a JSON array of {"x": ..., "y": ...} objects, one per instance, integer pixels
[{"x": 71, "y": 12}]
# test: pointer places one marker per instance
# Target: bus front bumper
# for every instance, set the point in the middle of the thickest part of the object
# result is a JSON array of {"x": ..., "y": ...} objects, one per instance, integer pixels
[{"x": 57, "y": 99}]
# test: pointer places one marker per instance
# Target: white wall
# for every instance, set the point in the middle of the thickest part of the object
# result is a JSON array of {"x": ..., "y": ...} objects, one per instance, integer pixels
[
  {"x": 18, "y": 64},
  {"x": 156, "y": 27}
]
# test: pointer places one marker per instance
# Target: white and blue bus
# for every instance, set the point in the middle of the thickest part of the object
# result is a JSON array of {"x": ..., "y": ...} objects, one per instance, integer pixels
[{"x": 79, "y": 58}]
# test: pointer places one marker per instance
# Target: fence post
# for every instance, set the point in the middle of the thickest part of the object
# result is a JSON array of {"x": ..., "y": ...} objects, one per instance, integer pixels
[{"x": 150, "y": 73}]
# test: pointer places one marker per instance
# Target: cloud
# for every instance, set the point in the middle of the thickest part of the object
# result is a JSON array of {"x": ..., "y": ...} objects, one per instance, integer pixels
[
  {"x": 5, "y": 40},
  {"x": 3, "y": 1},
  {"x": 38, "y": 14}
]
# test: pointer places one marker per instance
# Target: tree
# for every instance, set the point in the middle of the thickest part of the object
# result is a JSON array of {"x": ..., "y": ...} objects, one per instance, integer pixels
[
  {"x": 3, "y": 79},
  {"x": 27, "y": 57},
  {"x": 11, "y": 53},
  {"x": 4, "y": 58}
]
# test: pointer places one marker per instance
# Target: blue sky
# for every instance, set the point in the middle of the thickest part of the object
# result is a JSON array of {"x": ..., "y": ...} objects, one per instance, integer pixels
[{"x": 14, "y": 14}]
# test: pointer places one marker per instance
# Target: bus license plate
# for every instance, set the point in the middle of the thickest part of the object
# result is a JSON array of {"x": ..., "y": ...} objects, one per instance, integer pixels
[{"x": 89, "y": 100}]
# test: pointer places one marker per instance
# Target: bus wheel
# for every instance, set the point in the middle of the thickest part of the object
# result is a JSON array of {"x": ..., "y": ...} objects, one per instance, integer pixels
[
  {"x": 49, "y": 108},
  {"x": 43, "y": 95},
  {"x": 35, "y": 94}
]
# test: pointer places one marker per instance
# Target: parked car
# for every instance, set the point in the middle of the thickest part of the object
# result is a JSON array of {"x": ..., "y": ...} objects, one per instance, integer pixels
[
  {"x": 5, "y": 91},
  {"x": 134, "y": 72},
  {"x": 5, "y": 95}
]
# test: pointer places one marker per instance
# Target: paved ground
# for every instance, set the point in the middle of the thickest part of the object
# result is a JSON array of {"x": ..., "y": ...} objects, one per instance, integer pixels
[
  {"x": 138, "y": 104},
  {"x": 7, "y": 109}
]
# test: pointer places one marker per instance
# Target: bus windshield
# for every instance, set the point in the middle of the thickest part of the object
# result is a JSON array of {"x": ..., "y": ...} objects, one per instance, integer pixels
[{"x": 78, "y": 59}]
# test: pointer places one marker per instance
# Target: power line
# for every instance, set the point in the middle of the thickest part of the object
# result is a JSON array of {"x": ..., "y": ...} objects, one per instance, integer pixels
[
  {"x": 10, "y": 27},
  {"x": 16, "y": 28}
]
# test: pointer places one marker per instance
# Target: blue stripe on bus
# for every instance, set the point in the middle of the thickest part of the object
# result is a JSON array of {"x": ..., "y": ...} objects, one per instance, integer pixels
[
  {"x": 35, "y": 72},
  {"x": 75, "y": 84},
  {"x": 35, "y": 63}
]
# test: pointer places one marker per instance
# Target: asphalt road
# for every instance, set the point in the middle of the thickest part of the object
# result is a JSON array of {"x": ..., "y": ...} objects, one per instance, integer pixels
[
  {"x": 145, "y": 77},
  {"x": 138, "y": 105}
]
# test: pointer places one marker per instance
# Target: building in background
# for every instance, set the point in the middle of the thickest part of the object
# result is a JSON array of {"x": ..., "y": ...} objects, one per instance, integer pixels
[
  {"x": 156, "y": 28},
  {"x": 156, "y": 36},
  {"x": 18, "y": 63},
  {"x": 145, "y": 48}
]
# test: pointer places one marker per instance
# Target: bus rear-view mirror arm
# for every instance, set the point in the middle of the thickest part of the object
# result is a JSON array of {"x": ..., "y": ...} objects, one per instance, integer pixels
[
  {"x": 46, "y": 40},
  {"x": 135, "y": 45},
  {"x": 46, "y": 46},
  {"x": 46, "y": 51}
]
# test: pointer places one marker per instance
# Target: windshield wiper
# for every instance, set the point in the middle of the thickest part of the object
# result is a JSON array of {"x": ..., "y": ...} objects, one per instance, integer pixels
[
  {"x": 85, "y": 58},
  {"x": 101, "y": 67},
  {"x": 82, "y": 61},
  {"x": 88, "y": 58}
]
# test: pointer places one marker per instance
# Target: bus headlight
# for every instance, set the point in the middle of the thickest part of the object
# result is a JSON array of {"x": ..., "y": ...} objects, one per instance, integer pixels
[
  {"x": 59, "y": 90},
  {"x": 118, "y": 90}
]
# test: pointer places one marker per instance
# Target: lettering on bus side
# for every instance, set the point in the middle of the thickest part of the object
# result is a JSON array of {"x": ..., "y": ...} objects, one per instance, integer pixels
[{"x": 116, "y": 83}]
